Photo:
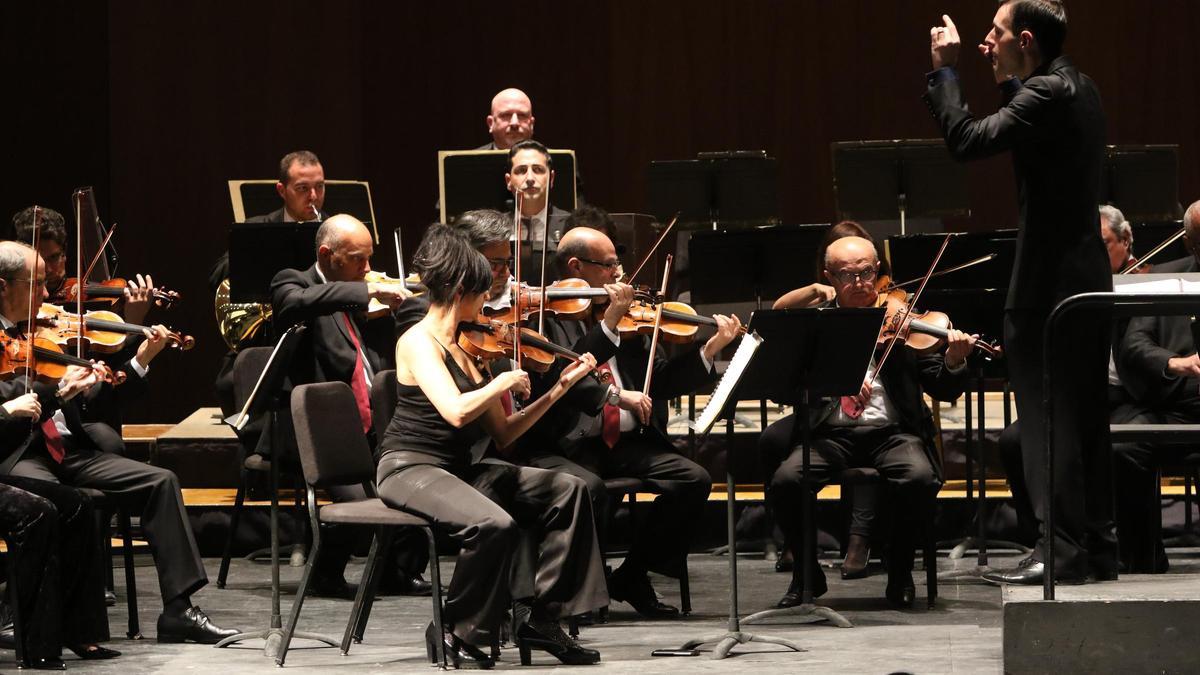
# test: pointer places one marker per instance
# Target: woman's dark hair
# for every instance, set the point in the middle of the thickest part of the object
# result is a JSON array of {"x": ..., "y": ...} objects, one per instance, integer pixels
[
  {"x": 847, "y": 228},
  {"x": 448, "y": 264}
]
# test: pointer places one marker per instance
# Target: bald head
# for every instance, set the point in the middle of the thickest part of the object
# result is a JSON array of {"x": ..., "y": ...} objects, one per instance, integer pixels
[
  {"x": 510, "y": 119},
  {"x": 584, "y": 253},
  {"x": 1191, "y": 220},
  {"x": 344, "y": 248},
  {"x": 850, "y": 250},
  {"x": 850, "y": 266}
]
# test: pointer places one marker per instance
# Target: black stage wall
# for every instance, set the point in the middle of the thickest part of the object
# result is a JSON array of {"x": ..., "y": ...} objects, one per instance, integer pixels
[{"x": 157, "y": 104}]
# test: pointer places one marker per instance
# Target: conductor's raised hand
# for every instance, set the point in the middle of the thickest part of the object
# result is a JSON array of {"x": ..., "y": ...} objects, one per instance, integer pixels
[{"x": 944, "y": 44}]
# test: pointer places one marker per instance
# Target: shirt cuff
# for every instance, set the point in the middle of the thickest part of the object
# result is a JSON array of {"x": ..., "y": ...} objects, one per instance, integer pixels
[
  {"x": 708, "y": 365},
  {"x": 943, "y": 74},
  {"x": 616, "y": 339},
  {"x": 956, "y": 370},
  {"x": 138, "y": 368}
]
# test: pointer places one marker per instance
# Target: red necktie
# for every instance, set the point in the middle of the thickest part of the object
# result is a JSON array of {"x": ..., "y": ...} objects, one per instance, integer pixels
[
  {"x": 54, "y": 441},
  {"x": 852, "y": 407},
  {"x": 358, "y": 379},
  {"x": 610, "y": 418},
  {"x": 506, "y": 402}
]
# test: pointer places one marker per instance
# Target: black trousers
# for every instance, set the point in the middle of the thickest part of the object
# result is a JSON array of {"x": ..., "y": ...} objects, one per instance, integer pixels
[
  {"x": 56, "y": 565},
  {"x": 899, "y": 457},
  {"x": 682, "y": 487},
  {"x": 486, "y": 507},
  {"x": 1084, "y": 526},
  {"x": 134, "y": 485}
]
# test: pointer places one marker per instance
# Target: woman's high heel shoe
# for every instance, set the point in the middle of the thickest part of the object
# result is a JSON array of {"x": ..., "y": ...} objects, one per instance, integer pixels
[
  {"x": 548, "y": 636},
  {"x": 459, "y": 654}
]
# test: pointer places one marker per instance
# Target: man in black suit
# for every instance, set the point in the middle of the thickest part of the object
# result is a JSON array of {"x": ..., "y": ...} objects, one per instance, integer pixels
[
  {"x": 343, "y": 345},
  {"x": 621, "y": 431},
  {"x": 1053, "y": 123},
  {"x": 1158, "y": 363},
  {"x": 531, "y": 176},
  {"x": 892, "y": 431},
  {"x": 65, "y": 449}
]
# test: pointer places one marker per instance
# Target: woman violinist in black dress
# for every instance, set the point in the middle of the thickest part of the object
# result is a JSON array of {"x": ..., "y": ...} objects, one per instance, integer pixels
[{"x": 446, "y": 403}]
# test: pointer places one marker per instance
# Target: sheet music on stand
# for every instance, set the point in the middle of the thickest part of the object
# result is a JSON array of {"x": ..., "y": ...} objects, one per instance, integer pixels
[{"x": 720, "y": 397}]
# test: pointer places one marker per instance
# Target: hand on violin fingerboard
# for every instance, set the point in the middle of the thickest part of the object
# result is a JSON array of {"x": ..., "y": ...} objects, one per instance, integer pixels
[
  {"x": 389, "y": 294},
  {"x": 620, "y": 297},
  {"x": 728, "y": 328},
  {"x": 76, "y": 380},
  {"x": 138, "y": 294},
  {"x": 152, "y": 346},
  {"x": 958, "y": 347},
  {"x": 1184, "y": 366}
]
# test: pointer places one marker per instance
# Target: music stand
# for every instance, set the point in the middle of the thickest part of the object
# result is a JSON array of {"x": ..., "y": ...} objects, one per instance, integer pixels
[
  {"x": 1142, "y": 180},
  {"x": 258, "y": 251},
  {"x": 750, "y": 260},
  {"x": 717, "y": 187},
  {"x": 474, "y": 179},
  {"x": 267, "y": 398},
  {"x": 254, "y": 197},
  {"x": 885, "y": 180}
]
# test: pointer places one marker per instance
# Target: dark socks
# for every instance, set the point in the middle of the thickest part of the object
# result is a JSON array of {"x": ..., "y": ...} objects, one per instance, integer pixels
[{"x": 177, "y": 605}]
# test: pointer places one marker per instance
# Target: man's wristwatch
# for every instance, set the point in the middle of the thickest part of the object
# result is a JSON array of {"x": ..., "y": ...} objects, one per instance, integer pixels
[{"x": 614, "y": 395}]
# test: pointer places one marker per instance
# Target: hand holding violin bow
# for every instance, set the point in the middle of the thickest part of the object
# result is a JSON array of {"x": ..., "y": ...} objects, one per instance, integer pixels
[{"x": 25, "y": 405}]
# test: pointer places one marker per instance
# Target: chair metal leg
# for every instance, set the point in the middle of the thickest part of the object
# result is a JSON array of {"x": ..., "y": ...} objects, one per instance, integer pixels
[
  {"x": 134, "y": 631},
  {"x": 105, "y": 521},
  {"x": 286, "y": 642},
  {"x": 356, "y": 627},
  {"x": 685, "y": 591},
  {"x": 15, "y": 603},
  {"x": 435, "y": 578},
  {"x": 930, "y": 555},
  {"x": 238, "y": 501}
]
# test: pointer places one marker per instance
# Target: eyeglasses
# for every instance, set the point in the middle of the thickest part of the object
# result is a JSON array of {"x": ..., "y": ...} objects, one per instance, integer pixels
[
  {"x": 606, "y": 265},
  {"x": 500, "y": 263},
  {"x": 847, "y": 277}
]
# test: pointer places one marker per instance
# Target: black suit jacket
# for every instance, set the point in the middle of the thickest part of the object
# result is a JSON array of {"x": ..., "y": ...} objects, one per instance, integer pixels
[
  {"x": 566, "y": 425},
  {"x": 1054, "y": 125},
  {"x": 1151, "y": 341},
  {"x": 326, "y": 352}
]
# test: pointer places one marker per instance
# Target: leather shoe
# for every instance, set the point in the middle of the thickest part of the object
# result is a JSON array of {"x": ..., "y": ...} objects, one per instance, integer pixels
[
  {"x": 331, "y": 587},
  {"x": 1030, "y": 572},
  {"x": 636, "y": 590},
  {"x": 110, "y": 598},
  {"x": 900, "y": 590},
  {"x": 459, "y": 654},
  {"x": 795, "y": 592},
  {"x": 858, "y": 554},
  {"x": 548, "y": 636},
  {"x": 193, "y": 625},
  {"x": 403, "y": 584},
  {"x": 48, "y": 663},
  {"x": 93, "y": 652}
]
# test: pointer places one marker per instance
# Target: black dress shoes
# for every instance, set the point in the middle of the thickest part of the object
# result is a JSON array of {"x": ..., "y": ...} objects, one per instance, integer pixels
[
  {"x": 548, "y": 636},
  {"x": 900, "y": 592},
  {"x": 48, "y": 663},
  {"x": 795, "y": 592},
  {"x": 110, "y": 598},
  {"x": 403, "y": 584},
  {"x": 94, "y": 652},
  {"x": 459, "y": 654},
  {"x": 191, "y": 626},
  {"x": 321, "y": 586},
  {"x": 636, "y": 590},
  {"x": 1030, "y": 572}
]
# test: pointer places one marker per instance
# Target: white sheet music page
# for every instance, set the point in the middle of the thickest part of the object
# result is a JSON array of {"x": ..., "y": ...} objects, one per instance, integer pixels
[{"x": 729, "y": 381}]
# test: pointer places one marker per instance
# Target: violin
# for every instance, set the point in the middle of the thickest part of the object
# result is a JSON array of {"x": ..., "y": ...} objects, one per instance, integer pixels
[
  {"x": 411, "y": 283},
  {"x": 488, "y": 338},
  {"x": 109, "y": 291},
  {"x": 923, "y": 332},
  {"x": 103, "y": 331},
  {"x": 566, "y": 299},
  {"x": 49, "y": 363},
  {"x": 680, "y": 322}
]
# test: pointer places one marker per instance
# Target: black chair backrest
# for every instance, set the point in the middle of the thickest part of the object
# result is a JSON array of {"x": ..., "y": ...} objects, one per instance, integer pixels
[
  {"x": 384, "y": 397},
  {"x": 247, "y": 368},
  {"x": 333, "y": 450}
]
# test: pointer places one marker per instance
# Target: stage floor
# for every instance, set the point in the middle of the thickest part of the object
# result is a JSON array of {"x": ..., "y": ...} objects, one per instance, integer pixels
[{"x": 962, "y": 635}]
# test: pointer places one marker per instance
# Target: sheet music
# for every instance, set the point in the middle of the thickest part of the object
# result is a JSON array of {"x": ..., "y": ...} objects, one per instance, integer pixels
[{"x": 720, "y": 396}]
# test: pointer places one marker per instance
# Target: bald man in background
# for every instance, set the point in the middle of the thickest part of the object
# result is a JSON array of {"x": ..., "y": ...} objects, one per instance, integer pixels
[{"x": 510, "y": 121}]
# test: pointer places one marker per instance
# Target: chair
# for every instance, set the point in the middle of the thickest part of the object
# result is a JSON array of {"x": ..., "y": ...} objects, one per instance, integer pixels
[
  {"x": 12, "y": 553},
  {"x": 861, "y": 476},
  {"x": 247, "y": 368},
  {"x": 105, "y": 509},
  {"x": 331, "y": 453}
]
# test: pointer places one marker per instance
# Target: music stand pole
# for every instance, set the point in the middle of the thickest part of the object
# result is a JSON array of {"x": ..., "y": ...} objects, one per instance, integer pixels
[{"x": 266, "y": 394}]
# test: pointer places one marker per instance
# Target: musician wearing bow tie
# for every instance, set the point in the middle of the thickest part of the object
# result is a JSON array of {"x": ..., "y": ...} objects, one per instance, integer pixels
[
  {"x": 620, "y": 432},
  {"x": 892, "y": 431}
]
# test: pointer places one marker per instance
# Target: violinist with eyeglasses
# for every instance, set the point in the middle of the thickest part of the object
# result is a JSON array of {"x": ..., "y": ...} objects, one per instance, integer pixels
[
  {"x": 622, "y": 430},
  {"x": 886, "y": 426},
  {"x": 62, "y": 448}
]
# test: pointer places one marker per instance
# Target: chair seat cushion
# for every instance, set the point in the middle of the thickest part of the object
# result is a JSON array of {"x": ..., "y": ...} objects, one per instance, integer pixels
[
  {"x": 859, "y": 476},
  {"x": 256, "y": 462},
  {"x": 368, "y": 512}
]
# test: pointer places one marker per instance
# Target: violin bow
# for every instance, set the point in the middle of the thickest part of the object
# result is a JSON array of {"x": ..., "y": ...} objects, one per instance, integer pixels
[
  {"x": 399, "y": 253},
  {"x": 1153, "y": 252},
  {"x": 545, "y": 246},
  {"x": 518, "y": 198},
  {"x": 948, "y": 270},
  {"x": 650, "y": 253},
  {"x": 909, "y": 305},
  {"x": 29, "y": 325},
  {"x": 658, "y": 313}
]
